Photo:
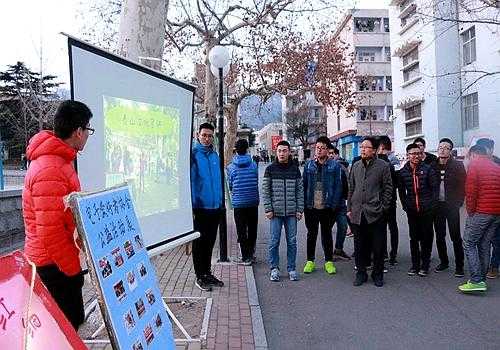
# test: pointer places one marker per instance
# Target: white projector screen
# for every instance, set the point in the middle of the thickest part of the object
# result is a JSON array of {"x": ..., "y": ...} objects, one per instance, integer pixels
[{"x": 143, "y": 127}]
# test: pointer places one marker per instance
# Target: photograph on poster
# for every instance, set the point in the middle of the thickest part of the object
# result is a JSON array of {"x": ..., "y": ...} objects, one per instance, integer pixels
[
  {"x": 158, "y": 322},
  {"x": 129, "y": 249},
  {"x": 131, "y": 280},
  {"x": 150, "y": 296},
  {"x": 118, "y": 257},
  {"x": 142, "y": 270},
  {"x": 148, "y": 334},
  {"x": 137, "y": 345},
  {"x": 139, "y": 242},
  {"x": 139, "y": 306},
  {"x": 119, "y": 290},
  {"x": 128, "y": 318},
  {"x": 105, "y": 267}
]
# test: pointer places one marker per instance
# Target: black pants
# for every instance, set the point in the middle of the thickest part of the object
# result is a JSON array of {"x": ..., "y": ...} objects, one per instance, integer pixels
[
  {"x": 451, "y": 214},
  {"x": 394, "y": 232},
  {"x": 66, "y": 291},
  {"x": 421, "y": 237},
  {"x": 314, "y": 218},
  {"x": 370, "y": 239},
  {"x": 246, "y": 220},
  {"x": 206, "y": 222}
]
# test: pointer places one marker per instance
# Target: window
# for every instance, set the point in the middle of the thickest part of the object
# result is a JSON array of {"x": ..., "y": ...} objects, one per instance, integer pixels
[
  {"x": 386, "y": 25},
  {"x": 371, "y": 84},
  {"x": 366, "y": 56},
  {"x": 316, "y": 114},
  {"x": 388, "y": 54},
  {"x": 413, "y": 112},
  {"x": 470, "y": 111},
  {"x": 389, "y": 113},
  {"x": 410, "y": 15},
  {"x": 413, "y": 71},
  {"x": 404, "y": 4},
  {"x": 414, "y": 128},
  {"x": 469, "y": 46},
  {"x": 388, "y": 83},
  {"x": 366, "y": 25}
]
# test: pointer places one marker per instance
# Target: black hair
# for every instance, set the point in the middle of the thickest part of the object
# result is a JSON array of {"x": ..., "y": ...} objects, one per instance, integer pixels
[
  {"x": 283, "y": 143},
  {"x": 324, "y": 140},
  {"x": 486, "y": 143},
  {"x": 241, "y": 146},
  {"x": 447, "y": 140},
  {"x": 372, "y": 140},
  {"x": 478, "y": 149},
  {"x": 206, "y": 126},
  {"x": 336, "y": 150},
  {"x": 412, "y": 146},
  {"x": 70, "y": 116},
  {"x": 386, "y": 142},
  {"x": 419, "y": 139}
]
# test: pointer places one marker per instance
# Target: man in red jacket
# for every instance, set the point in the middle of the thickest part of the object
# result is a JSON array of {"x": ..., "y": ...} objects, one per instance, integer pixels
[
  {"x": 482, "y": 199},
  {"x": 49, "y": 225}
]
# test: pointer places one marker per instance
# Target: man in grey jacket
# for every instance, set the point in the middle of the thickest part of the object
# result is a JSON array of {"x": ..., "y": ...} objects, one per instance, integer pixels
[
  {"x": 283, "y": 197},
  {"x": 369, "y": 200}
]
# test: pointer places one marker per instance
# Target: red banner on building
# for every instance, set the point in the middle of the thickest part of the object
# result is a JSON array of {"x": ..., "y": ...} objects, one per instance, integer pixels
[
  {"x": 30, "y": 320},
  {"x": 275, "y": 140}
]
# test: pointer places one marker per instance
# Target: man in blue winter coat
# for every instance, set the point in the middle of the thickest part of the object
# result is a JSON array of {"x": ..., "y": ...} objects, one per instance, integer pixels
[
  {"x": 322, "y": 201},
  {"x": 243, "y": 178},
  {"x": 206, "y": 195}
]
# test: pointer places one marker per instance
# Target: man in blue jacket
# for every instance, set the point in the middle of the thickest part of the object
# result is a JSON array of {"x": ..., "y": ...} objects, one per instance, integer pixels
[
  {"x": 322, "y": 199},
  {"x": 206, "y": 195},
  {"x": 243, "y": 178}
]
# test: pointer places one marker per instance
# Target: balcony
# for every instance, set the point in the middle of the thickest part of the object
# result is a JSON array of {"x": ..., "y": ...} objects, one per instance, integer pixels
[
  {"x": 373, "y": 68},
  {"x": 371, "y": 39},
  {"x": 374, "y": 98}
]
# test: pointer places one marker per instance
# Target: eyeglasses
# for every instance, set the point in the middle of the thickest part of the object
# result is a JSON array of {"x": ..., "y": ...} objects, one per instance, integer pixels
[
  {"x": 207, "y": 136},
  {"x": 444, "y": 148},
  {"x": 415, "y": 153},
  {"x": 91, "y": 130},
  {"x": 321, "y": 148}
]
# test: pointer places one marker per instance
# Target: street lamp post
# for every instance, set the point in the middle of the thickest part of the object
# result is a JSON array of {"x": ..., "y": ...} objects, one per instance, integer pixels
[
  {"x": 1, "y": 165},
  {"x": 219, "y": 58}
]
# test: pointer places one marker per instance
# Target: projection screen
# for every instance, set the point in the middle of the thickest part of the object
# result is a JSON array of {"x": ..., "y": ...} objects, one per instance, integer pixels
[{"x": 143, "y": 126}]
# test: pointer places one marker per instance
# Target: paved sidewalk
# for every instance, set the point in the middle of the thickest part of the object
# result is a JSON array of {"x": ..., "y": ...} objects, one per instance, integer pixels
[{"x": 230, "y": 325}]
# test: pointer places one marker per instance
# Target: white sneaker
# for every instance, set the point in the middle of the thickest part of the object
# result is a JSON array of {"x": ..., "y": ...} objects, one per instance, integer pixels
[
  {"x": 293, "y": 275},
  {"x": 274, "y": 275}
]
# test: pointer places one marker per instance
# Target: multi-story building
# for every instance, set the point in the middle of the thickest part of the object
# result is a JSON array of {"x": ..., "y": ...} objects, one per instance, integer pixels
[
  {"x": 366, "y": 32},
  {"x": 264, "y": 137},
  {"x": 443, "y": 58}
]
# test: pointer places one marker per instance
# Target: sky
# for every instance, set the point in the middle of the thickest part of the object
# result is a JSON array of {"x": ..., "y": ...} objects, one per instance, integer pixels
[{"x": 27, "y": 25}]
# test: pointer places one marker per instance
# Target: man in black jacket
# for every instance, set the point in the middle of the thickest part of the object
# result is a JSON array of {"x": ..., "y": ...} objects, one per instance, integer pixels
[
  {"x": 418, "y": 187},
  {"x": 427, "y": 158},
  {"x": 383, "y": 153},
  {"x": 451, "y": 197}
]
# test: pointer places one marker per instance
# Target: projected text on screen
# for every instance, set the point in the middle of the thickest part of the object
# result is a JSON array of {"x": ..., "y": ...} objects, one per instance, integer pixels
[{"x": 142, "y": 147}]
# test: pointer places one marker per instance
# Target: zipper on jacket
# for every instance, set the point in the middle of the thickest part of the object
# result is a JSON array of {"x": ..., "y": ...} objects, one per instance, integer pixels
[
  {"x": 211, "y": 179},
  {"x": 415, "y": 188},
  {"x": 284, "y": 183}
]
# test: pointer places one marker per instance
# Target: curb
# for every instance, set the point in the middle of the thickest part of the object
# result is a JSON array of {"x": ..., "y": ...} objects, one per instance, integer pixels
[{"x": 259, "y": 333}]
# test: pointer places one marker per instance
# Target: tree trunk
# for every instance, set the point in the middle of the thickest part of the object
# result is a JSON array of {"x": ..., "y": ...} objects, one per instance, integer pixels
[
  {"x": 142, "y": 29},
  {"x": 231, "y": 130},
  {"x": 211, "y": 90}
]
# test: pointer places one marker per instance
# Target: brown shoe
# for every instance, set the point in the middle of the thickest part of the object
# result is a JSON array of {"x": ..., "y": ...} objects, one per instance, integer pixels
[{"x": 493, "y": 273}]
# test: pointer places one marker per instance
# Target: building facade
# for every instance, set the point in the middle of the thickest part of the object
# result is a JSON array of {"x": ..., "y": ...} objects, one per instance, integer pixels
[
  {"x": 440, "y": 57},
  {"x": 367, "y": 34}
]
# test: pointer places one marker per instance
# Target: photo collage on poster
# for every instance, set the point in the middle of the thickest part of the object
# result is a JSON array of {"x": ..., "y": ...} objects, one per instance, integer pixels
[{"x": 110, "y": 265}]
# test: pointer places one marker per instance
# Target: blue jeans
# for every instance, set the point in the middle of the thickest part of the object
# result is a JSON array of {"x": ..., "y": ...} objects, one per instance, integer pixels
[
  {"x": 290, "y": 223},
  {"x": 495, "y": 254},
  {"x": 341, "y": 228},
  {"x": 479, "y": 231}
]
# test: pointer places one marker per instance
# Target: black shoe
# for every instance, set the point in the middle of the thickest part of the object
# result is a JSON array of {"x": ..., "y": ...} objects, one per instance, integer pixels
[
  {"x": 341, "y": 255},
  {"x": 459, "y": 272},
  {"x": 393, "y": 262},
  {"x": 378, "y": 282},
  {"x": 423, "y": 273},
  {"x": 214, "y": 281},
  {"x": 203, "y": 285},
  {"x": 360, "y": 279},
  {"x": 441, "y": 268},
  {"x": 412, "y": 272}
]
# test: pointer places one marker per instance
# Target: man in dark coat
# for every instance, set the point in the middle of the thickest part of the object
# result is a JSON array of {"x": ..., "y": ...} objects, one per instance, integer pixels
[{"x": 418, "y": 187}]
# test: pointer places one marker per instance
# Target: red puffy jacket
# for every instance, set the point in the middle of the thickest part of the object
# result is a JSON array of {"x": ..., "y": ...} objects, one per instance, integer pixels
[
  {"x": 482, "y": 187},
  {"x": 49, "y": 225}
]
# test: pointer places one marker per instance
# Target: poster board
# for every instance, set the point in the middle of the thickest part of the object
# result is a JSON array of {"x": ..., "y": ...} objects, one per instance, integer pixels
[
  {"x": 129, "y": 296},
  {"x": 30, "y": 321}
]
